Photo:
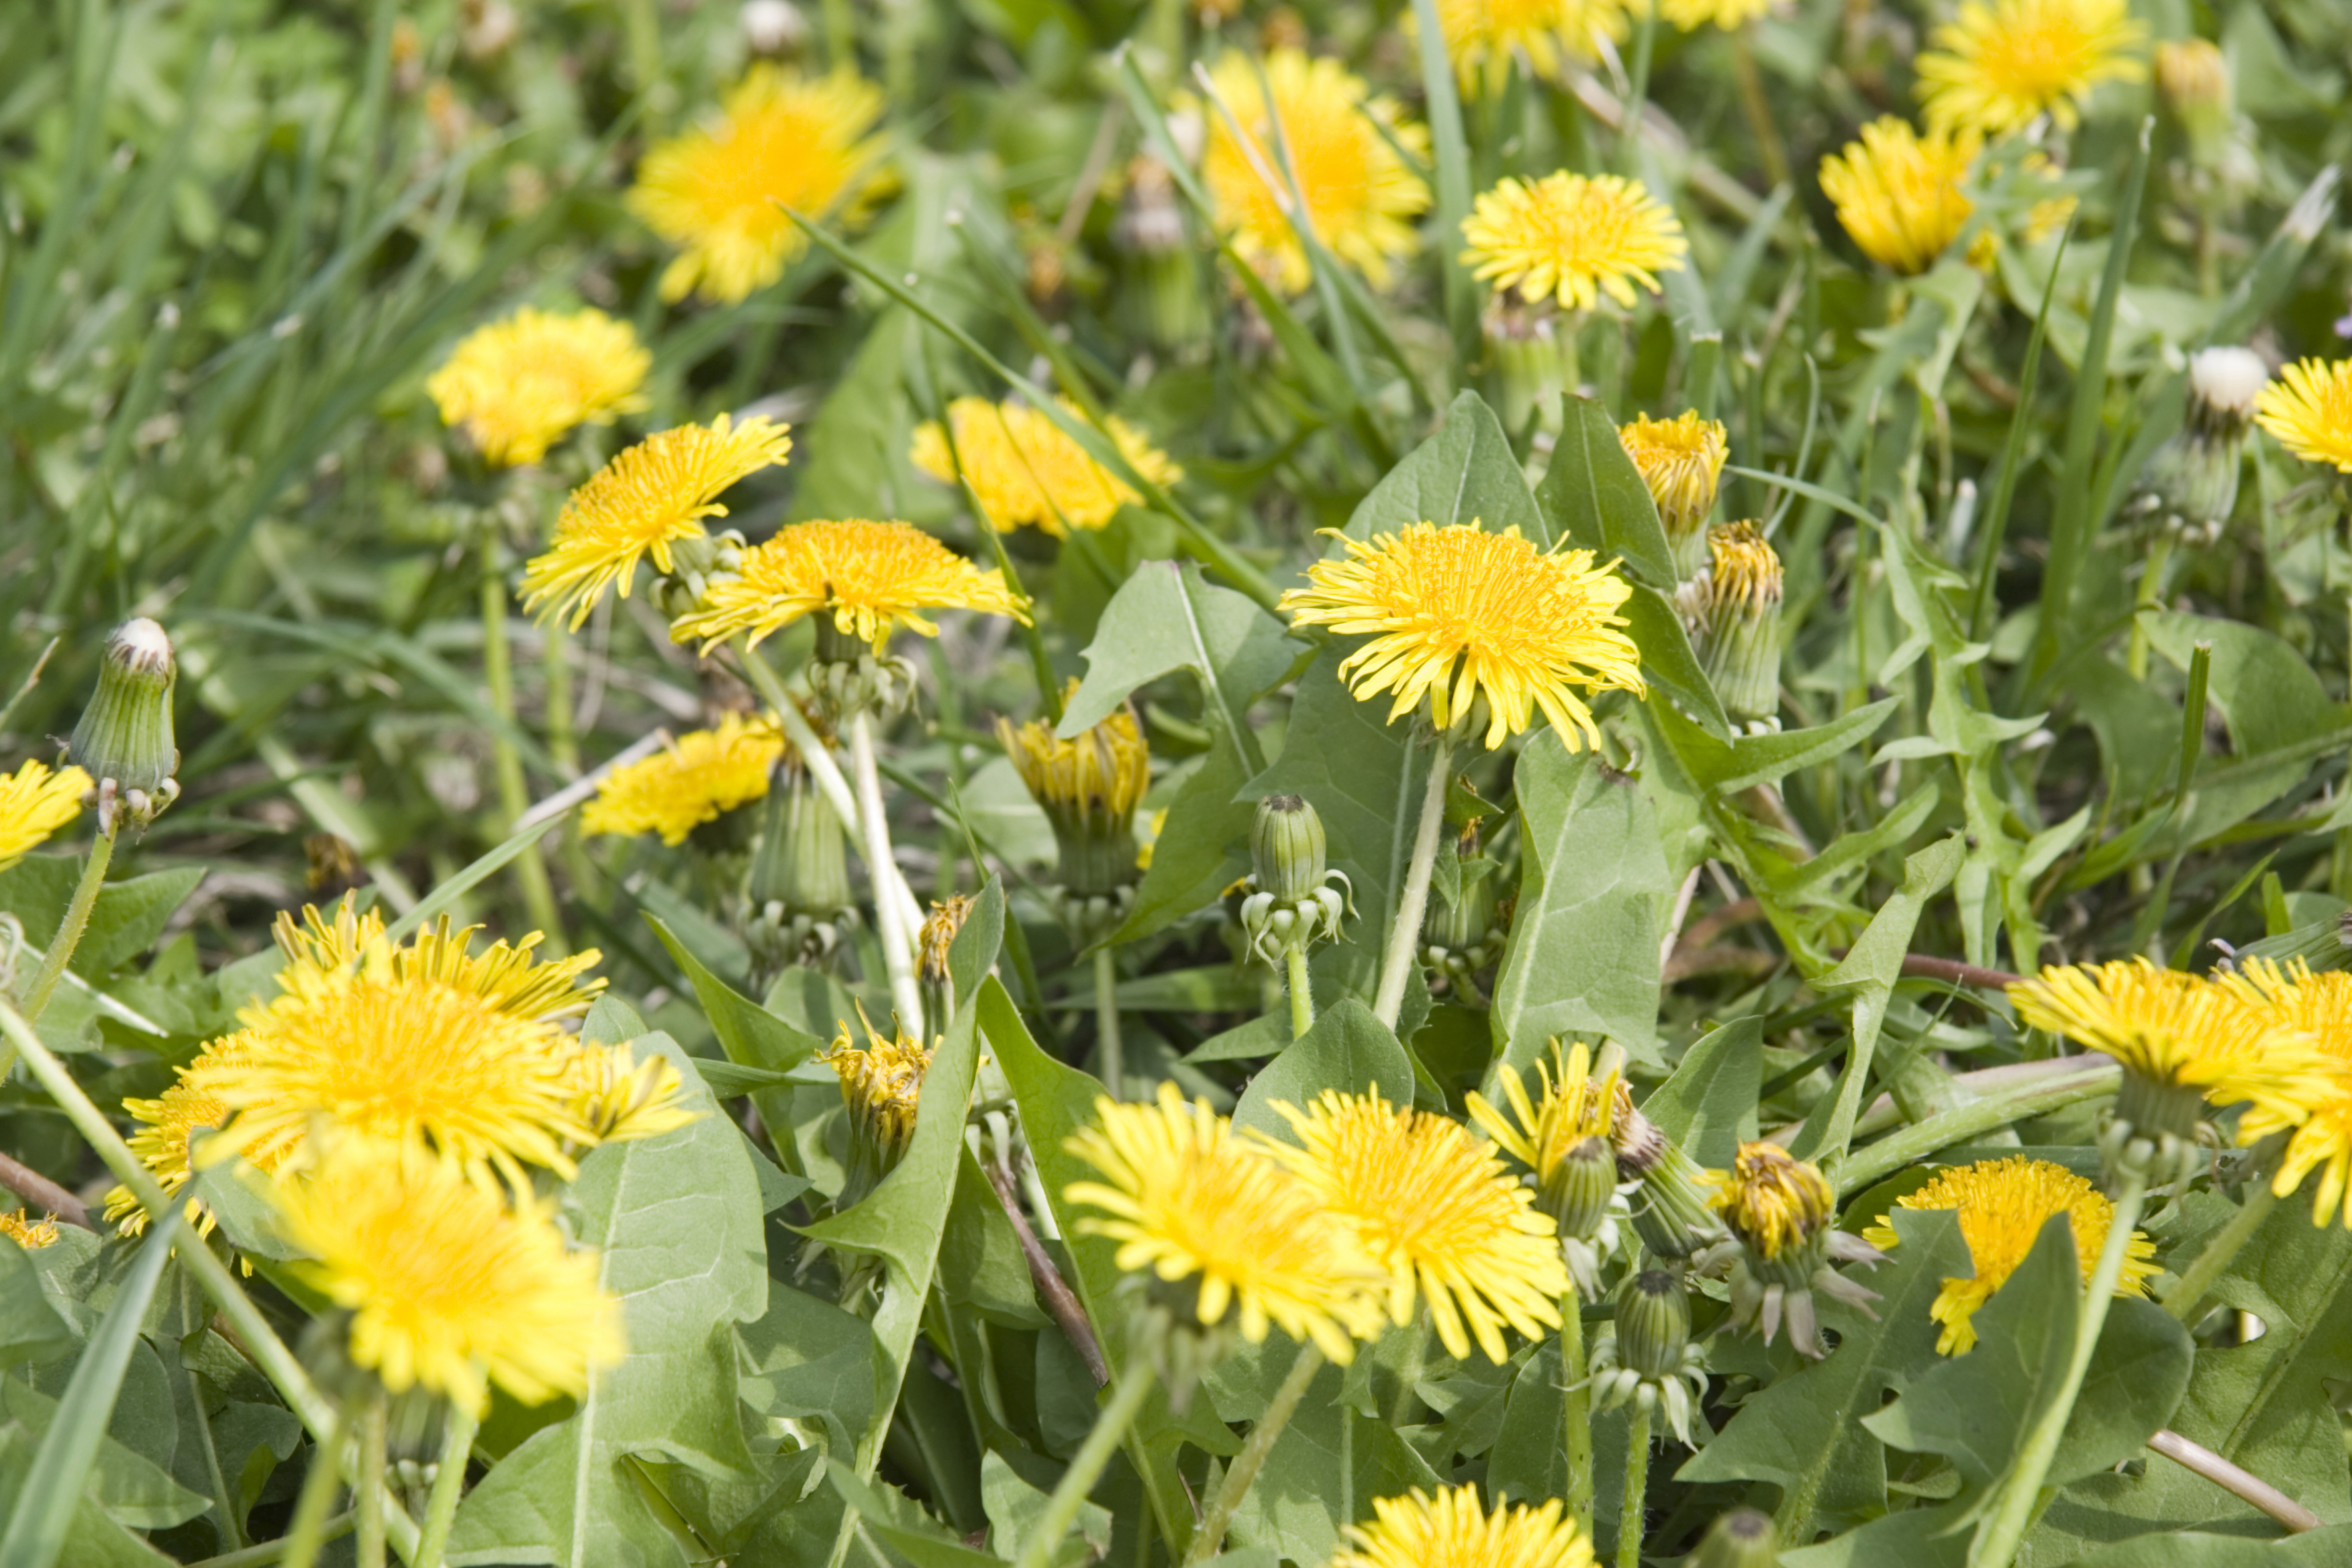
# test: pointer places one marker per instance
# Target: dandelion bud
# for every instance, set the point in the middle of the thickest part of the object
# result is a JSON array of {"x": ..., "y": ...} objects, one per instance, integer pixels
[
  {"x": 1781, "y": 1212},
  {"x": 1645, "y": 1357},
  {"x": 932, "y": 947},
  {"x": 1088, "y": 787},
  {"x": 1670, "y": 1211},
  {"x": 1738, "y": 611},
  {"x": 1529, "y": 347},
  {"x": 2191, "y": 483},
  {"x": 1681, "y": 462},
  {"x": 882, "y": 1085},
  {"x": 1741, "y": 1538},
  {"x": 1287, "y": 847},
  {"x": 2193, "y": 80},
  {"x": 799, "y": 888},
  {"x": 124, "y": 740}
]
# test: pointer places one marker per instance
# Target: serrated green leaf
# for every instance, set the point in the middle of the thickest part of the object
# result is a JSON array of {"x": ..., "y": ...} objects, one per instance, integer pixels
[
  {"x": 1668, "y": 662},
  {"x": 1166, "y": 617},
  {"x": 1752, "y": 760},
  {"x": 1463, "y": 473},
  {"x": 1592, "y": 497},
  {"x": 30, "y": 1329},
  {"x": 1708, "y": 1106}
]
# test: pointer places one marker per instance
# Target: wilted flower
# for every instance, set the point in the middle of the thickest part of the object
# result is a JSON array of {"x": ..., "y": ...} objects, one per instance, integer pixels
[{"x": 1781, "y": 1212}]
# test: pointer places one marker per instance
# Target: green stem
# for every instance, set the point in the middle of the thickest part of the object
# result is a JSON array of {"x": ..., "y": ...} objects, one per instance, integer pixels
[
  {"x": 2020, "y": 1495},
  {"x": 2190, "y": 1290},
  {"x": 232, "y": 1527},
  {"x": 2038, "y": 1096},
  {"x": 1102, "y": 1441},
  {"x": 270, "y": 1551},
  {"x": 2150, "y": 596},
  {"x": 368, "y": 1549},
  {"x": 1637, "y": 99},
  {"x": 1302, "y": 989},
  {"x": 1238, "y": 1480},
  {"x": 69, "y": 937},
  {"x": 1758, "y": 110},
  {"x": 889, "y": 916},
  {"x": 1630, "y": 1511},
  {"x": 308, "y": 1530},
  {"x": 1576, "y": 1413},
  {"x": 1404, "y": 937},
  {"x": 458, "y": 1432},
  {"x": 1114, "y": 1062},
  {"x": 514, "y": 792}
]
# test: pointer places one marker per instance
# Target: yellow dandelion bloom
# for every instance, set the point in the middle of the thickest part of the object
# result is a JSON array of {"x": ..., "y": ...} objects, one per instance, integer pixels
[
  {"x": 1189, "y": 1201},
  {"x": 2176, "y": 1029},
  {"x": 1772, "y": 1199},
  {"x": 27, "y": 1233},
  {"x": 1680, "y": 463},
  {"x": 449, "y": 1289},
  {"x": 1023, "y": 470},
  {"x": 1451, "y": 1530},
  {"x": 621, "y": 1099},
  {"x": 1898, "y": 195},
  {"x": 34, "y": 803},
  {"x": 643, "y": 501},
  {"x": 2003, "y": 1206},
  {"x": 1435, "y": 1208},
  {"x": 1690, "y": 16},
  {"x": 696, "y": 778},
  {"x": 2192, "y": 77},
  {"x": 873, "y": 577},
  {"x": 2001, "y": 65},
  {"x": 518, "y": 385},
  {"x": 882, "y": 1084},
  {"x": 1483, "y": 37},
  {"x": 192, "y": 1105},
  {"x": 1458, "y": 613},
  {"x": 1574, "y": 1105},
  {"x": 1360, "y": 197},
  {"x": 1572, "y": 239},
  {"x": 722, "y": 192},
  {"x": 508, "y": 976},
  {"x": 2309, "y": 409},
  {"x": 1101, "y": 774},
  {"x": 2317, "y": 1008}
]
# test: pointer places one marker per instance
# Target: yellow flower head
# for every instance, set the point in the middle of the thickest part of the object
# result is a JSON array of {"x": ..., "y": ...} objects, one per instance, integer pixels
[
  {"x": 694, "y": 779},
  {"x": 1435, "y": 1208},
  {"x": 1772, "y": 1200},
  {"x": 34, "y": 804},
  {"x": 643, "y": 501},
  {"x": 2000, "y": 65},
  {"x": 1189, "y": 1201},
  {"x": 1899, "y": 195},
  {"x": 1458, "y": 613},
  {"x": 721, "y": 191},
  {"x": 1571, "y": 237},
  {"x": 1483, "y": 35},
  {"x": 509, "y": 977},
  {"x": 882, "y": 1084},
  {"x": 192, "y": 1105},
  {"x": 2192, "y": 76},
  {"x": 1360, "y": 197},
  {"x": 1023, "y": 470},
  {"x": 2002, "y": 1205},
  {"x": 1730, "y": 15},
  {"x": 2176, "y": 1029},
  {"x": 2317, "y": 1008},
  {"x": 1575, "y": 1105},
  {"x": 1681, "y": 462},
  {"x": 936, "y": 939},
  {"x": 872, "y": 577},
  {"x": 28, "y": 1234},
  {"x": 1451, "y": 1530},
  {"x": 2309, "y": 409},
  {"x": 1098, "y": 778},
  {"x": 621, "y": 1099},
  {"x": 519, "y": 385},
  {"x": 449, "y": 1289}
]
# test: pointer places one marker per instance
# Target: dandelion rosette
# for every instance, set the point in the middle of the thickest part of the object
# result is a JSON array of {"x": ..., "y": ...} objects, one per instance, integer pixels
[
  {"x": 648, "y": 499},
  {"x": 1998, "y": 67},
  {"x": 867, "y": 578},
  {"x": 35, "y": 801},
  {"x": 1572, "y": 239},
  {"x": 1222, "y": 1230},
  {"x": 1456, "y": 612},
  {"x": 517, "y": 386},
  {"x": 1565, "y": 1137},
  {"x": 1781, "y": 1212},
  {"x": 2309, "y": 409},
  {"x": 1483, "y": 37},
  {"x": 724, "y": 192},
  {"x": 2002, "y": 1205},
  {"x": 1024, "y": 469},
  {"x": 1360, "y": 196},
  {"x": 449, "y": 1287},
  {"x": 1434, "y": 1206},
  {"x": 1898, "y": 195},
  {"x": 1454, "y": 1529},
  {"x": 694, "y": 779}
]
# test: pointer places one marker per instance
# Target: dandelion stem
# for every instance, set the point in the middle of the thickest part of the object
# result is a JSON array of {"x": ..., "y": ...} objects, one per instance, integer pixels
[
  {"x": 448, "y": 1483},
  {"x": 2150, "y": 598},
  {"x": 269, "y": 1552},
  {"x": 1576, "y": 1413},
  {"x": 898, "y": 937},
  {"x": 70, "y": 930},
  {"x": 368, "y": 1483},
  {"x": 308, "y": 1530},
  {"x": 2020, "y": 1495},
  {"x": 514, "y": 792},
  {"x": 1404, "y": 936},
  {"x": 232, "y": 1526},
  {"x": 1102, "y": 1441},
  {"x": 1302, "y": 990},
  {"x": 1631, "y": 1509},
  {"x": 1758, "y": 109},
  {"x": 2190, "y": 1290},
  {"x": 1114, "y": 1063},
  {"x": 1408, "y": 1399},
  {"x": 1210, "y": 1537}
]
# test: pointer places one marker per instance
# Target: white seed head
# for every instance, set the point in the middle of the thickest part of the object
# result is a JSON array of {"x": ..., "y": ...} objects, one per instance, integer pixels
[
  {"x": 139, "y": 645},
  {"x": 772, "y": 27},
  {"x": 2229, "y": 379}
]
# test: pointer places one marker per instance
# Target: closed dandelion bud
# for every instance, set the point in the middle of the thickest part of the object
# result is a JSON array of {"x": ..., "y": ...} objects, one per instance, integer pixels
[
  {"x": 1088, "y": 787},
  {"x": 799, "y": 888},
  {"x": 1744, "y": 1538},
  {"x": 2191, "y": 484},
  {"x": 124, "y": 740},
  {"x": 1580, "y": 1190},
  {"x": 882, "y": 1085},
  {"x": 2193, "y": 80},
  {"x": 1680, "y": 463},
  {"x": 1287, "y": 847},
  {"x": 1670, "y": 1211},
  {"x": 931, "y": 949},
  {"x": 1653, "y": 1322},
  {"x": 1739, "y": 620}
]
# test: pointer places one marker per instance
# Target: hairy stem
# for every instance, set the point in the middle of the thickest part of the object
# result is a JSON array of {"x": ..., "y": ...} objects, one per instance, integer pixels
[
  {"x": 1238, "y": 1480},
  {"x": 1404, "y": 936},
  {"x": 368, "y": 1549},
  {"x": 897, "y": 937},
  {"x": 2190, "y": 1290},
  {"x": 1302, "y": 990},
  {"x": 69, "y": 937},
  {"x": 1631, "y": 1509},
  {"x": 1110, "y": 1426},
  {"x": 1576, "y": 1413}
]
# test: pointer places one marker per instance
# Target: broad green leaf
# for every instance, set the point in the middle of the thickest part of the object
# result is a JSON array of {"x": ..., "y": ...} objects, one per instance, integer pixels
[
  {"x": 1326, "y": 1456},
  {"x": 1668, "y": 662},
  {"x": 980, "y": 1265},
  {"x": 914, "y": 1535},
  {"x": 1708, "y": 1106},
  {"x": 1348, "y": 1049},
  {"x": 1582, "y": 960},
  {"x": 1752, "y": 760},
  {"x": 973, "y": 952},
  {"x": 1464, "y": 473},
  {"x": 1167, "y": 617},
  {"x": 92, "y": 1540},
  {"x": 1015, "y": 1508},
  {"x": 128, "y": 916},
  {"x": 2189, "y": 1549},
  {"x": 128, "y": 1487},
  {"x": 30, "y": 1329},
  {"x": 238, "y": 1194},
  {"x": 1592, "y": 498},
  {"x": 756, "y": 1042},
  {"x": 807, "y": 1359},
  {"x": 1202, "y": 848},
  {"x": 2138, "y": 1371},
  {"x": 676, "y": 1224}
]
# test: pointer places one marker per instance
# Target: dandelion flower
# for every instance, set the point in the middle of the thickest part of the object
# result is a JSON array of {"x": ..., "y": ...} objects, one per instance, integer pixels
[
  {"x": 1899, "y": 193},
  {"x": 1458, "y": 613},
  {"x": 2001, "y": 65},
  {"x": 192, "y": 1105},
  {"x": 696, "y": 778},
  {"x": 621, "y": 1099},
  {"x": 1089, "y": 786},
  {"x": 27, "y": 1233},
  {"x": 448, "y": 1289},
  {"x": 1434, "y": 1206},
  {"x": 34, "y": 803},
  {"x": 643, "y": 501},
  {"x": 1730, "y": 15},
  {"x": 2318, "y": 1008},
  {"x": 1189, "y": 1203},
  {"x": 2003, "y": 1206},
  {"x": 1451, "y": 1530},
  {"x": 872, "y": 577},
  {"x": 1360, "y": 196},
  {"x": 1023, "y": 470},
  {"x": 1681, "y": 464},
  {"x": 1482, "y": 37},
  {"x": 510, "y": 976},
  {"x": 1781, "y": 1212},
  {"x": 1566, "y": 1142},
  {"x": 518, "y": 385},
  {"x": 1572, "y": 239},
  {"x": 724, "y": 192},
  {"x": 2309, "y": 409},
  {"x": 882, "y": 1085}
]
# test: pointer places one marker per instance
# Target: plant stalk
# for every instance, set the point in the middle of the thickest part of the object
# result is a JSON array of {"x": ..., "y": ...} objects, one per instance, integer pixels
[
  {"x": 1114, "y": 1061},
  {"x": 2020, "y": 1496},
  {"x": 1210, "y": 1537},
  {"x": 2150, "y": 598},
  {"x": 271, "y": 1552},
  {"x": 1404, "y": 936},
  {"x": 1102, "y": 1441},
  {"x": 2036, "y": 1097},
  {"x": 897, "y": 937},
  {"x": 2197, "y": 1281},
  {"x": 308, "y": 1530},
  {"x": 458, "y": 1432},
  {"x": 514, "y": 791},
  {"x": 1631, "y": 1509},
  {"x": 70, "y": 932},
  {"x": 1758, "y": 109},
  {"x": 1576, "y": 1413},
  {"x": 1302, "y": 990},
  {"x": 368, "y": 1547}
]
